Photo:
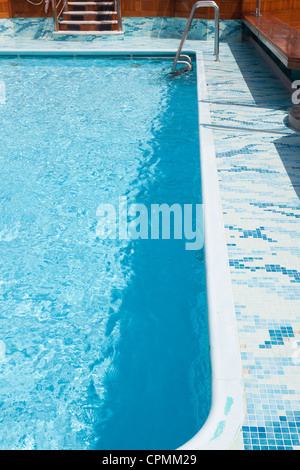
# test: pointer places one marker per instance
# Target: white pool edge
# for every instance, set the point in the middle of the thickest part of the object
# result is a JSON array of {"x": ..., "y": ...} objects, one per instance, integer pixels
[{"x": 228, "y": 404}]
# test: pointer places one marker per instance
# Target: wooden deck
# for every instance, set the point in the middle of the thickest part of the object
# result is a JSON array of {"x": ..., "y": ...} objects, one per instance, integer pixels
[{"x": 280, "y": 32}]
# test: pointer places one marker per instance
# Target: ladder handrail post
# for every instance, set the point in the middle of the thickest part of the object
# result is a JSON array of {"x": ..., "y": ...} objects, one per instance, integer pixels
[
  {"x": 55, "y": 23},
  {"x": 188, "y": 25},
  {"x": 217, "y": 32},
  {"x": 258, "y": 8},
  {"x": 120, "y": 16}
]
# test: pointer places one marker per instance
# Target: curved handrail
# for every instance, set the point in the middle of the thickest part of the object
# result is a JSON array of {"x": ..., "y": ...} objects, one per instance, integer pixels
[{"x": 202, "y": 3}]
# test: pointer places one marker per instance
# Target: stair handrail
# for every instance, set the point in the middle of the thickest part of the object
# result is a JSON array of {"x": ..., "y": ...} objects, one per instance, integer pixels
[
  {"x": 118, "y": 2},
  {"x": 58, "y": 7},
  {"x": 201, "y": 3}
]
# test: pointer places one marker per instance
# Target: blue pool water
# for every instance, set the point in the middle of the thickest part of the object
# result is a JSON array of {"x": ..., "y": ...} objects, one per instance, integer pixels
[{"x": 106, "y": 340}]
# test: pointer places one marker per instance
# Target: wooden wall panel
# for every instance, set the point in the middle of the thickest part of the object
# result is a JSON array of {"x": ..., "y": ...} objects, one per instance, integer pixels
[
  {"x": 21, "y": 8},
  {"x": 4, "y": 9},
  {"x": 229, "y": 9},
  {"x": 147, "y": 7},
  {"x": 181, "y": 8},
  {"x": 248, "y": 6}
]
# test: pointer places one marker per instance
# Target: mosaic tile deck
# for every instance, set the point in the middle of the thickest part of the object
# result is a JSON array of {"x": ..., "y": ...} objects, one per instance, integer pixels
[{"x": 258, "y": 159}]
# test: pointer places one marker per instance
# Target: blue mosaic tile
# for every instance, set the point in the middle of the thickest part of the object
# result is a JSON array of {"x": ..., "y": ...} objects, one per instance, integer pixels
[
  {"x": 259, "y": 174},
  {"x": 158, "y": 27}
]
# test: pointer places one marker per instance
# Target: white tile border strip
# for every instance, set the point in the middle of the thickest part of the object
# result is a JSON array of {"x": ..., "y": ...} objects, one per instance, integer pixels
[{"x": 228, "y": 404}]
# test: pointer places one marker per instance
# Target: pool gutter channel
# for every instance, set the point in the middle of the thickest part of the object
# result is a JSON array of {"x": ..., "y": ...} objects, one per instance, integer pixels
[{"x": 228, "y": 404}]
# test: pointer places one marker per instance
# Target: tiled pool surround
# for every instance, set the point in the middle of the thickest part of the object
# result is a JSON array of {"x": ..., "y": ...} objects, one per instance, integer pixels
[
  {"x": 257, "y": 158},
  {"x": 162, "y": 28}
]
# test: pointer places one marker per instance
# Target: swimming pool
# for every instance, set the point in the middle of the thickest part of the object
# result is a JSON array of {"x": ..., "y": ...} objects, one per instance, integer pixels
[{"x": 107, "y": 342}]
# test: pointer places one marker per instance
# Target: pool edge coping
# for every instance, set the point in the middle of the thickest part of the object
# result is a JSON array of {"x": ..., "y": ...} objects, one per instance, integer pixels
[{"x": 228, "y": 401}]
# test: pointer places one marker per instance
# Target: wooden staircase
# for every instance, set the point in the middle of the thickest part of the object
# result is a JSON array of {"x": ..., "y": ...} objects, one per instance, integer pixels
[{"x": 87, "y": 17}]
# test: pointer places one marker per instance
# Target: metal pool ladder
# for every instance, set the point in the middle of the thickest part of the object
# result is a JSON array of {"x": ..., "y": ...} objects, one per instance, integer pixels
[{"x": 184, "y": 59}]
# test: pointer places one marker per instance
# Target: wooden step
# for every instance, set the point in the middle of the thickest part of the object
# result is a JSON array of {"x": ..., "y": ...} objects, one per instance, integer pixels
[
  {"x": 81, "y": 3},
  {"x": 89, "y": 13},
  {"x": 88, "y": 2},
  {"x": 98, "y": 3},
  {"x": 88, "y": 33},
  {"x": 74, "y": 22},
  {"x": 104, "y": 25},
  {"x": 91, "y": 7},
  {"x": 90, "y": 16}
]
